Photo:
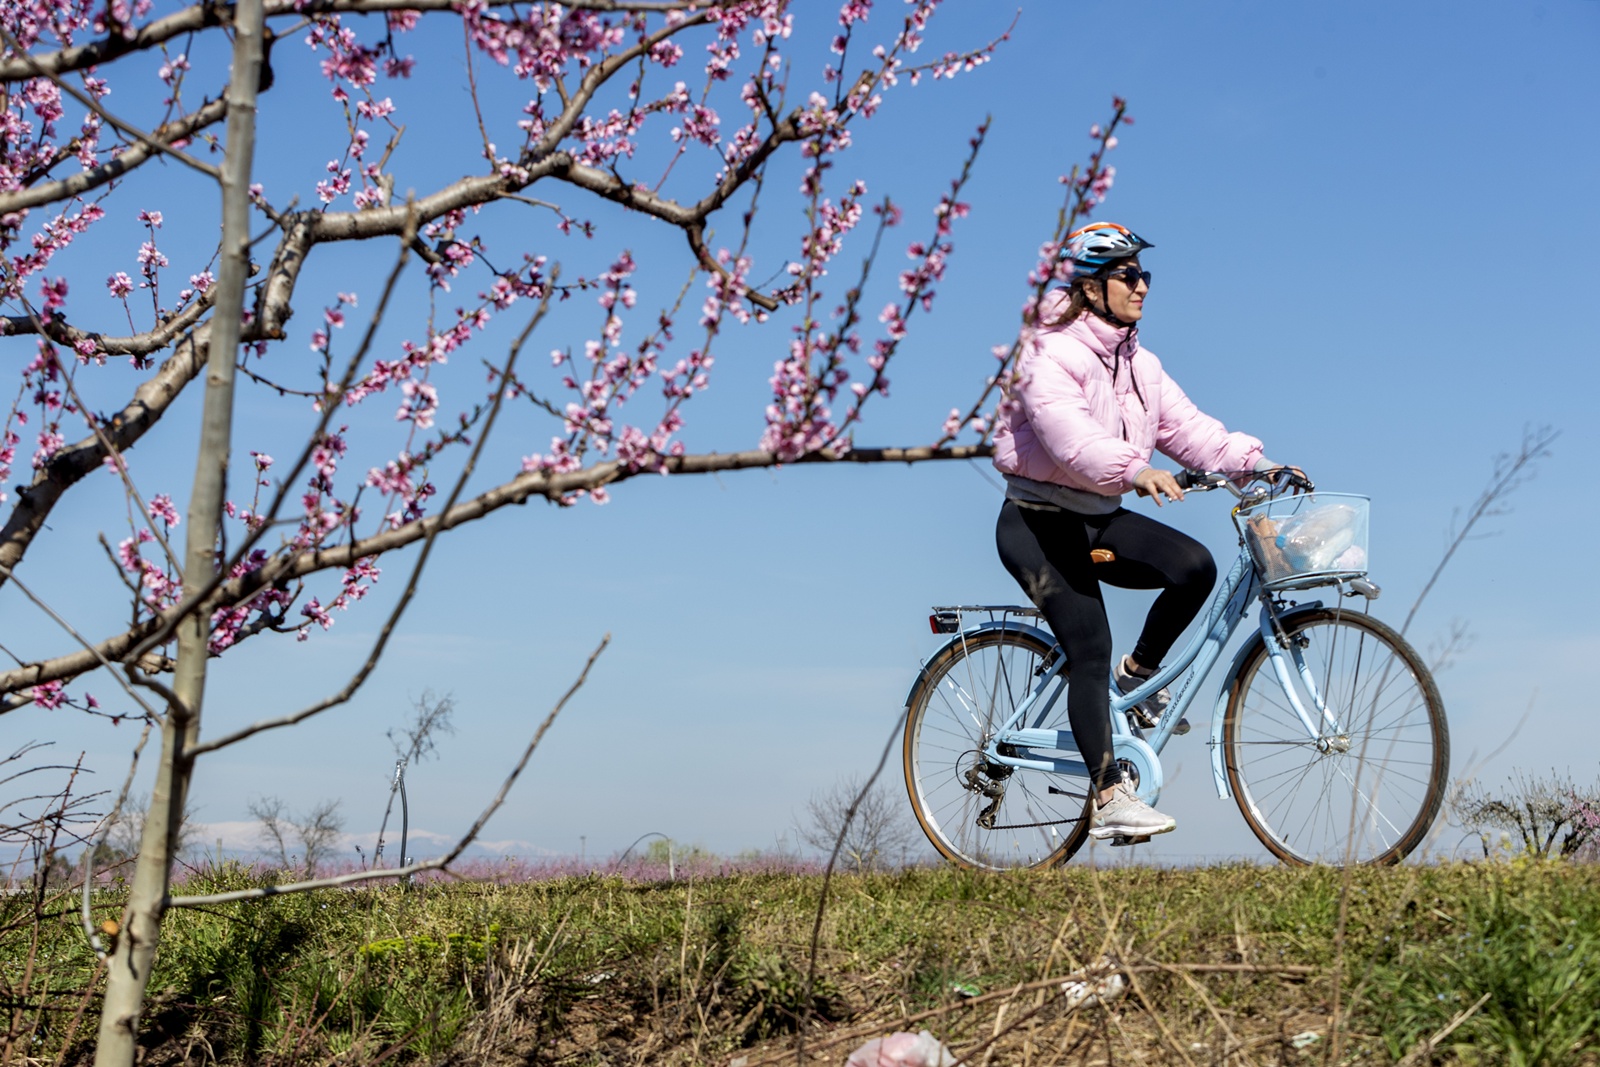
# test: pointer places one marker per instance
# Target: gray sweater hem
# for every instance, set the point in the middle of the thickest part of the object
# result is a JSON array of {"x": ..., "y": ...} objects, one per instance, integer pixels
[{"x": 1027, "y": 491}]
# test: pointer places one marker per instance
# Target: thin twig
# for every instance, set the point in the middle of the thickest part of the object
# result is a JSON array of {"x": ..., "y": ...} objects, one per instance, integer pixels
[
  {"x": 93, "y": 105},
  {"x": 117, "y": 166},
  {"x": 1425, "y": 1048},
  {"x": 151, "y": 715},
  {"x": 827, "y": 878},
  {"x": 1510, "y": 471},
  {"x": 89, "y": 853},
  {"x": 261, "y": 892},
  {"x": 389, "y": 625},
  {"x": 170, "y": 622}
]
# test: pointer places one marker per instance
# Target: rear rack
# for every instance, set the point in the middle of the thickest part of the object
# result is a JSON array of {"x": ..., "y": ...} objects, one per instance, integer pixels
[{"x": 946, "y": 619}]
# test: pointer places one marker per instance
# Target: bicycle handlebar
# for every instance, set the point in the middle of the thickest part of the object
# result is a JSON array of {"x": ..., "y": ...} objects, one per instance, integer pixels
[{"x": 1201, "y": 481}]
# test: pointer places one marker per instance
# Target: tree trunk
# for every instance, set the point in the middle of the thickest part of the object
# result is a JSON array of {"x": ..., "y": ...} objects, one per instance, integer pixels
[{"x": 131, "y": 959}]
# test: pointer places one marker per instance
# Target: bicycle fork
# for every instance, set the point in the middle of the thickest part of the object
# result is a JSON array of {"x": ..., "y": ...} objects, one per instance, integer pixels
[{"x": 1287, "y": 656}]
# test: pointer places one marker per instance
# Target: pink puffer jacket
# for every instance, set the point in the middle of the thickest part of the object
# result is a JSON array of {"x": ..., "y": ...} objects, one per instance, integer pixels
[{"x": 1088, "y": 416}]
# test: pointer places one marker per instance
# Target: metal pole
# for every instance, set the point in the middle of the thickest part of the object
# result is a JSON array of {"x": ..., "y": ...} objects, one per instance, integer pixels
[{"x": 405, "y": 816}]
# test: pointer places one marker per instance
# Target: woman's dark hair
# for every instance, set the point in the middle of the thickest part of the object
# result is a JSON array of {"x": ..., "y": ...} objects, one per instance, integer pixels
[{"x": 1077, "y": 304}]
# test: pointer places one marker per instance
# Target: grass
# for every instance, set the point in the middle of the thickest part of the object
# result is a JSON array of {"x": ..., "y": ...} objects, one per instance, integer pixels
[{"x": 1229, "y": 964}]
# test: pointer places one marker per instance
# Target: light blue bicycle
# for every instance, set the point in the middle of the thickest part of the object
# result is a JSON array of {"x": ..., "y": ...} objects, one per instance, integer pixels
[{"x": 1328, "y": 730}]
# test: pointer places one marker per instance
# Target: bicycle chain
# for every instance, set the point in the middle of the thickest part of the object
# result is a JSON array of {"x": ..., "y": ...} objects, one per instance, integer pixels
[{"x": 1031, "y": 825}]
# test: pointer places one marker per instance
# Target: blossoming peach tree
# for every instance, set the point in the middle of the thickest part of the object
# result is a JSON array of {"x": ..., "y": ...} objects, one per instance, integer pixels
[{"x": 669, "y": 114}]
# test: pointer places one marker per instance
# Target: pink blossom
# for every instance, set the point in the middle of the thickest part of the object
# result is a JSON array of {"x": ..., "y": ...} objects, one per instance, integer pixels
[
  {"x": 420, "y": 405},
  {"x": 54, "y": 294},
  {"x": 49, "y": 696},
  {"x": 50, "y": 442},
  {"x": 161, "y": 510},
  {"x": 314, "y": 611}
]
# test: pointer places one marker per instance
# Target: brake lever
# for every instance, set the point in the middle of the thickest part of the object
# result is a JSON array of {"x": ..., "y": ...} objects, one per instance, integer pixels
[{"x": 1286, "y": 478}]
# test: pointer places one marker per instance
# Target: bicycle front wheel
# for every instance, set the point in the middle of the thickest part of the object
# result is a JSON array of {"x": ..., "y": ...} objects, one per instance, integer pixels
[
  {"x": 1367, "y": 788},
  {"x": 978, "y": 813}
]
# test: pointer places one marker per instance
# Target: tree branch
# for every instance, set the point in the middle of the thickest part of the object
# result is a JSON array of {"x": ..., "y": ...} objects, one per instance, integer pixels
[
  {"x": 440, "y": 864},
  {"x": 138, "y": 344},
  {"x": 151, "y": 715},
  {"x": 1510, "y": 471},
  {"x": 134, "y": 156},
  {"x": 94, "y": 105},
  {"x": 539, "y": 162},
  {"x": 378, "y": 646},
  {"x": 548, "y": 485},
  {"x": 72, "y": 464},
  {"x": 212, "y": 15}
]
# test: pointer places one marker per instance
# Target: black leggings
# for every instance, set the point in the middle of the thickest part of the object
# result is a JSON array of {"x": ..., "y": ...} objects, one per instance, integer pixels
[{"x": 1047, "y": 552}]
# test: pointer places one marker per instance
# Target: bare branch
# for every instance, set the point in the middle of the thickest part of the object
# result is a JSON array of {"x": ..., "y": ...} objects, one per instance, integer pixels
[
  {"x": 827, "y": 877},
  {"x": 316, "y": 829},
  {"x": 1511, "y": 469},
  {"x": 84, "y": 916},
  {"x": 416, "y": 868},
  {"x": 271, "y": 814},
  {"x": 431, "y": 716},
  {"x": 527, "y": 753}
]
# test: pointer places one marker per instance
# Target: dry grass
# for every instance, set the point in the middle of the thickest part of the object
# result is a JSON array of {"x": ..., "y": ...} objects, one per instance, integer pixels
[{"x": 1232, "y": 965}]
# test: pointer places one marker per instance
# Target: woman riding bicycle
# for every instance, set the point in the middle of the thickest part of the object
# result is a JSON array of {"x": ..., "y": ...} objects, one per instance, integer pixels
[{"x": 1087, "y": 407}]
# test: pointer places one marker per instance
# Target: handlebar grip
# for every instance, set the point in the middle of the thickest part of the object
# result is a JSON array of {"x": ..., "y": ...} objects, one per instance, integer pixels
[
  {"x": 1188, "y": 479},
  {"x": 1299, "y": 481}
]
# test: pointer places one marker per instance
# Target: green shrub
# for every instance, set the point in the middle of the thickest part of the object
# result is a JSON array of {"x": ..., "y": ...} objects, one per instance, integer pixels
[{"x": 1522, "y": 939}]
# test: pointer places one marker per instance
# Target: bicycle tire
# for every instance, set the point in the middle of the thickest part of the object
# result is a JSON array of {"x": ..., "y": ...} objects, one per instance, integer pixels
[
  {"x": 966, "y": 691},
  {"x": 1374, "y": 789}
]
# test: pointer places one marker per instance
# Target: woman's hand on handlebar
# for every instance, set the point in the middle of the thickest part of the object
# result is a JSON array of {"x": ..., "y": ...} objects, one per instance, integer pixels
[
  {"x": 1294, "y": 477},
  {"x": 1155, "y": 483}
]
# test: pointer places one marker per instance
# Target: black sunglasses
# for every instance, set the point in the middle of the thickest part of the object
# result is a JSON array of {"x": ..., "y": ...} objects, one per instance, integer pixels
[{"x": 1130, "y": 276}]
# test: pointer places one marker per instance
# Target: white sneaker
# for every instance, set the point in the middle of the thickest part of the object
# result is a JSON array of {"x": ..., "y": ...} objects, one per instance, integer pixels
[
  {"x": 1125, "y": 815},
  {"x": 1147, "y": 713}
]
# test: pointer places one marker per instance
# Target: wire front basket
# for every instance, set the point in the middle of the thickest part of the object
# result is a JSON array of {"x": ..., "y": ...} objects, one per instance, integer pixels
[{"x": 1307, "y": 539}]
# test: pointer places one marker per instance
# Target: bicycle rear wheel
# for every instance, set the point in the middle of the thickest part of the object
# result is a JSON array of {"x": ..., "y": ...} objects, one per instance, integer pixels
[
  {"x": 1369, "y": 788},
  {"x": 977, "y": 813}
]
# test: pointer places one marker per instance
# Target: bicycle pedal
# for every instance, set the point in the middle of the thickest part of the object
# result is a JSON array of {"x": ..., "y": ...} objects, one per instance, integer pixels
[{"x": 1123, "y": 839}]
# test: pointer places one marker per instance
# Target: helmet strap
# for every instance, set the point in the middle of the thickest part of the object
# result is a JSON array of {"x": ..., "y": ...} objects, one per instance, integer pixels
[{"x": 1104, "y": 310}]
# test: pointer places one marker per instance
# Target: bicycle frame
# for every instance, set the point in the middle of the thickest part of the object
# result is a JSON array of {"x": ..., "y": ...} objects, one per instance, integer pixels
[{"x": 1028, "y": 745}]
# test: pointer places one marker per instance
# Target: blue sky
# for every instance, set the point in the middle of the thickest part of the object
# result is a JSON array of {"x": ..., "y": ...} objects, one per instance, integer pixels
[{"x": 1375, "y": 237}]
